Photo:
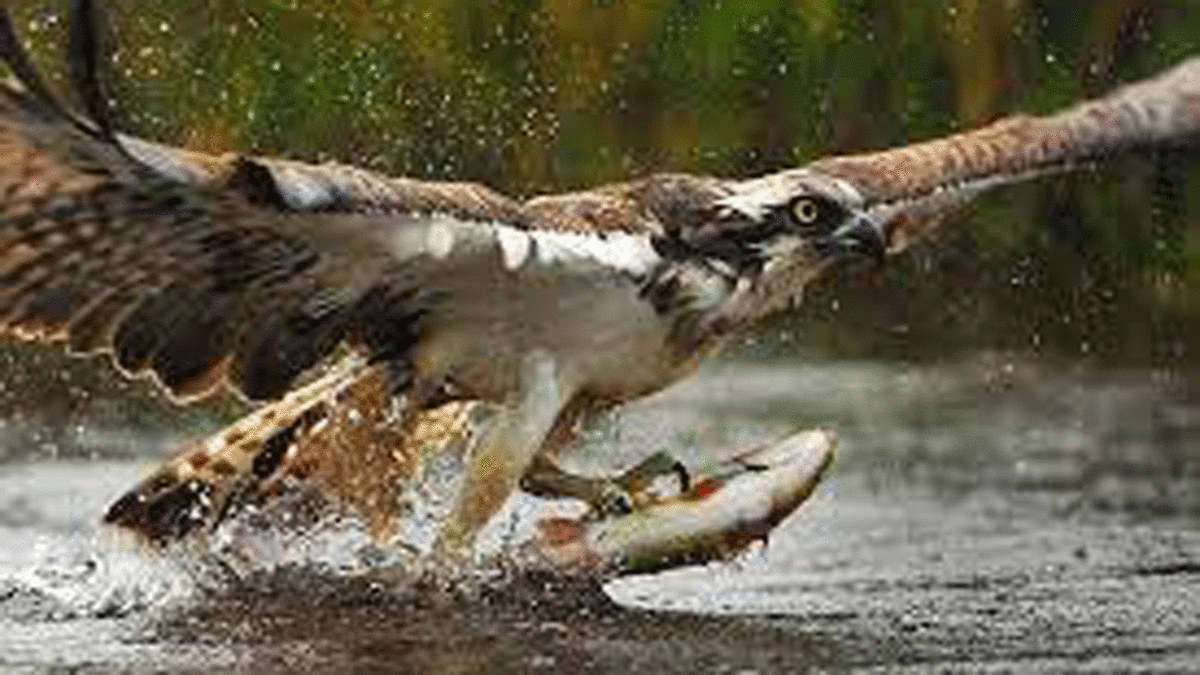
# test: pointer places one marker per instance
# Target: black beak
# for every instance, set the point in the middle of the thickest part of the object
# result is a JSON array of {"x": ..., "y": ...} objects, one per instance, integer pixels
[{"x": 861, "y": 237}]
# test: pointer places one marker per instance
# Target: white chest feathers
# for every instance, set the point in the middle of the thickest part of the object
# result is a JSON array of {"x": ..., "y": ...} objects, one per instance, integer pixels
[
  {"x": 444, "y": 237},
  {"x": 628, "y": 253}
]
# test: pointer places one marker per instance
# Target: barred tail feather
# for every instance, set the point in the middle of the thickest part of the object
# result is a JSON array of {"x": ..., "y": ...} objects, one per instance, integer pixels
[
  {"x": 195, "y": 490},
  {"x": 344, "y": 435}
]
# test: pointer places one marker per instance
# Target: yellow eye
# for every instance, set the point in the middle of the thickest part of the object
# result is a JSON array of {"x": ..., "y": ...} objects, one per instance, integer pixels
[{"x": 806, "y": 211}]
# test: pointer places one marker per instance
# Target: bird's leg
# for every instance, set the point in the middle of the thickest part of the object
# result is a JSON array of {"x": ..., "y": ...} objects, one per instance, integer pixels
[
  {"x": 506, "y": 450},
  {"x": 606, "y": 495},
  {"x": 546, "y": 479}
]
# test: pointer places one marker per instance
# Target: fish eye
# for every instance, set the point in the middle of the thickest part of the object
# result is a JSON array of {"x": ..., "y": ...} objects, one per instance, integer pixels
[{"x": 806, "y": 210}]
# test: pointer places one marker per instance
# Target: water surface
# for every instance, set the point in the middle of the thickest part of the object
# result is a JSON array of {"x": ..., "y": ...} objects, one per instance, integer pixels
[{"x": 986, "y": 513}]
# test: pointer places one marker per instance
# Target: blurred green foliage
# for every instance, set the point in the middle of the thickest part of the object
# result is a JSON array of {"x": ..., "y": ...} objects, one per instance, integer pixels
[{"x": 535, "y": 97}]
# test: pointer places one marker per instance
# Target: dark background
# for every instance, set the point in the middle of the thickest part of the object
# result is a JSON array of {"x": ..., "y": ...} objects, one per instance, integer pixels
[{"x": 1098, "y": 268}]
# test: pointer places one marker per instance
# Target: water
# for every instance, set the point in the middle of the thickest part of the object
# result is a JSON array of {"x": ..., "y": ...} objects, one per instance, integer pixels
[{"x": 985, "y": 514}]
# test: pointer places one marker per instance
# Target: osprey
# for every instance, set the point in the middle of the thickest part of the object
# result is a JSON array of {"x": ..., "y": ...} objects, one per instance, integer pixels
[{"x": 253, "y": 274}]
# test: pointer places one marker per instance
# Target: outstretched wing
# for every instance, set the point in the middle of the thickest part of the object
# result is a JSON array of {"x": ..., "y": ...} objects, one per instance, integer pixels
[
  {"x": 202, "y": 269},
  {"x": 288, "y": 186},
  {"x": 909, "y": 186},
  {"x": 206, "y": 269}
]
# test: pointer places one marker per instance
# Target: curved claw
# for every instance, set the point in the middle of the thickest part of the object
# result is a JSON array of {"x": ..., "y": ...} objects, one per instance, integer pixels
[
  {"x": 611, "y": 495},
  {"x": 635, "y": 487},
  {"x": 640, "y": 477},
  {"x": 614, "y": 500}
]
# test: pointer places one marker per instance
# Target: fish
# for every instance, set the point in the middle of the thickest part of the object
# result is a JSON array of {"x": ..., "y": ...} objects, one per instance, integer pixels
[{"x": 727, "y": 507}]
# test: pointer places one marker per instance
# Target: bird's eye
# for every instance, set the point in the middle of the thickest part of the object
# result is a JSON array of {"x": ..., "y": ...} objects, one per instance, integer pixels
[{"x": 806, "y": 211}]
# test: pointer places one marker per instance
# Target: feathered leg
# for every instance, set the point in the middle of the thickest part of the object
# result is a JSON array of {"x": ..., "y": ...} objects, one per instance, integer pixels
[
  {"x": 517, "y": 433},
  {"x": 518, "y": 450}
]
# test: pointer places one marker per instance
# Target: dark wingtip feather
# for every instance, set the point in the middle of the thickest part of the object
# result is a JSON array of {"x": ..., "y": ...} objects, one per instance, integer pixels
[
  {"x": 284, "y": 348},
  {"x": 192, "y": 378},
  {"x": 91, "y": 327},
  {"x": 18, "y": 60},
  {"x": 190, "y": 361},
  {"x": 133, "y": 345},
  {"x": 256, "y": 183},
  {"x": 87, "y": 61},
  {"x": 261, "y": 372},
  {"x": 143, "y": 332}
]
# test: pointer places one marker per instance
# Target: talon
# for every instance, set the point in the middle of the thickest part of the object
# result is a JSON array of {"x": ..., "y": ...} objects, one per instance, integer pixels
[
  {"x": 614, "y": 500},
  {"x": 637, "y": 486},
  {"x": 642, "y": 476},
  {"x": 610, "y": 496},
  {"x": 685, "y": 478}
]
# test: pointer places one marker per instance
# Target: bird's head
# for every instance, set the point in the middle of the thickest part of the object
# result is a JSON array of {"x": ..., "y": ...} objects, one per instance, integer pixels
[{"x": 763, "y": 240}]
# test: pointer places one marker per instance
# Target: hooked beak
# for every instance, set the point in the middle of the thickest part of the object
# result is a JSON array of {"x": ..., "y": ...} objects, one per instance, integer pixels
[{"x": 862, "y": 237}]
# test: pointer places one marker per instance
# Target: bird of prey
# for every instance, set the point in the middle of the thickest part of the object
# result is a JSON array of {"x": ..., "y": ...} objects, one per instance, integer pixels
[{"x": 293, "y": 284}]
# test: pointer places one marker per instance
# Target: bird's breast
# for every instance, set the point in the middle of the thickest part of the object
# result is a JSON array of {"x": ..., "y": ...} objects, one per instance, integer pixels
[{"x": 577, "y": 299}]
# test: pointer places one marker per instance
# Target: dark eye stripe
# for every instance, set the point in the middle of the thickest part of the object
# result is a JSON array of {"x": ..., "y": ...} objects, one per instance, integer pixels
[{"x": 772, "y": 226}]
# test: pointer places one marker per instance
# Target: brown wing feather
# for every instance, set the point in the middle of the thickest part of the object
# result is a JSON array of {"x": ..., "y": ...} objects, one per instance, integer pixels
[
  {"x": 187, "y": 282},
  {"x": 642, "y": 206},
  {"x": 294, "y": 186},
  {"x": 911, "y": 183},
  {"x": 289, "y": 185},
  {"x": 196, "y": 268}
]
